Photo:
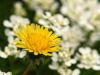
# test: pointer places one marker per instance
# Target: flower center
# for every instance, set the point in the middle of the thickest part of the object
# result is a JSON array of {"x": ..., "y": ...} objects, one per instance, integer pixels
[{"x": 38, "y": 42}]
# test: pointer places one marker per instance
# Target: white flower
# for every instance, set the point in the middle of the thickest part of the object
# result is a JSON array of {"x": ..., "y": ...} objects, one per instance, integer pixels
[
  {"x": 15, "y": 21},
  {"x": 74, "y": 8},
  {"x": 54, "y": 66},
  {"x": 94, "y": 37},
  {"x": 42, "y": 4},
  {"x": 65, "y": 56},
  {"x": 65, "y": 71},
  {"x": 89, "y": 59},
  {"x": 22, "y": 54},
  {"x": 11, "y": 50},
  {"x": 1, "y": 73},
  {"x": 72, "y": 36},
  {"x": 55, "y": 22},
  {"x": 18, "y": 9},
  {"x": 84, "y": 12},
  {"x": 3, "y": 55},
  {"x": 90, "y": 19},
  {"x": 84, "y": 21},
  {"x": 4, "y": 73},
  {"x": 55, "y": 57},
  {"x": 58, "y": 19},
  {"x": 61, "y": 58},
  {"x": 95, "y": 17}
]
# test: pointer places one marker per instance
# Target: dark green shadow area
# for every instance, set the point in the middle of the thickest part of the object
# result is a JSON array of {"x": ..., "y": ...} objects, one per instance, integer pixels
[{"x": 6, "y": 9}]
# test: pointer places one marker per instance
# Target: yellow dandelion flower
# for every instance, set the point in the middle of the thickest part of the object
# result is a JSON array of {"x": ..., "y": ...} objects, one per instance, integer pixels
[{"x": 37, "y": 39}]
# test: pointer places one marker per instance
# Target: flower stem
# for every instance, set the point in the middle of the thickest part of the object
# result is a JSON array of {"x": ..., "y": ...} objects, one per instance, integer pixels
[{"x": 28, "y": 68}]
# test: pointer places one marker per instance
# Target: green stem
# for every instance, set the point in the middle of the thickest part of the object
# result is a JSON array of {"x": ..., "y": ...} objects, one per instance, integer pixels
[{"x": 28, "y": 68}]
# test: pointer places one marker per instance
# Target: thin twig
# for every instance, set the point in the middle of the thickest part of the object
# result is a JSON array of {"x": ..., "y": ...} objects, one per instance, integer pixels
[{"x": 28, "y": 68}]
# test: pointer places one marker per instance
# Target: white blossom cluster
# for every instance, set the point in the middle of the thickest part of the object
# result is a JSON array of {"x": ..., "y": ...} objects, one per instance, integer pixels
[
  {"x": 71, "y": 39},
  {"x": 42, "y": 4},
  {"x": 15, "y": 22},
  {"x": 19, "y": 9},
  {"x": 85, "y": 12},
  {"x": 63, "y": 70},
  {"x": 11, "y": 50},
  {"x": 78, "y": 25},
  {"x": 88, "y": 58},
  {"x": 5, "y": 73},
  {"x": 60, "y": 25},
  {"x": 62, "y": 61},
  {"x": 56, "y": 22}
]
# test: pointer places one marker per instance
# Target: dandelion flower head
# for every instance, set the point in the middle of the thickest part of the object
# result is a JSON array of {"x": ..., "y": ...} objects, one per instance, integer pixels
[{"x": 37, "y": 39}]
